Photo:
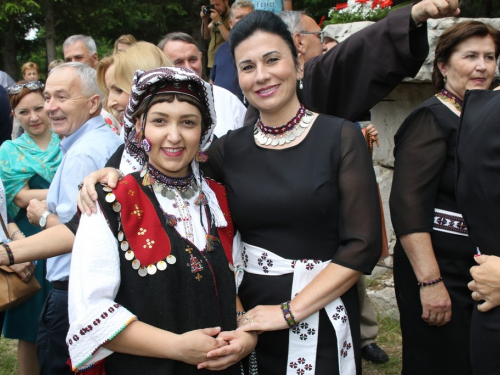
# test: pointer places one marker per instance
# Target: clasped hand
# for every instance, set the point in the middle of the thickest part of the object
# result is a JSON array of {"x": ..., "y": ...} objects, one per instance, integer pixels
[
  {"x": 35, "y": 211},
  {"x": 486, "y": 284}
]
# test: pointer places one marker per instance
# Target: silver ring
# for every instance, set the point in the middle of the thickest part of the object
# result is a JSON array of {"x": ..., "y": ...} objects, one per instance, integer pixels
[
  {"x": 249, "y": 319},
  {"x": 433, "y": 316},
  {"x": 27, "y": 273}
]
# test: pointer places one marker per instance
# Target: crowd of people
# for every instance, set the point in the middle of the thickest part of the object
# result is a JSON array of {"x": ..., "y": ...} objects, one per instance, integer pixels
[{"x": 179, "y": 225}]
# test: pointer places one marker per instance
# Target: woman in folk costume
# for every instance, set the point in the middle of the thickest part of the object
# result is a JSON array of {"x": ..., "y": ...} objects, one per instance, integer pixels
[
  {"x": 303, "y": 196},
  {"x": 152, "y": 279}
]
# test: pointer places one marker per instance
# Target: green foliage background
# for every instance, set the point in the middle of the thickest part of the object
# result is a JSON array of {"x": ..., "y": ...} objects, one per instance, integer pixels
[{"x": 146, "y": 19}]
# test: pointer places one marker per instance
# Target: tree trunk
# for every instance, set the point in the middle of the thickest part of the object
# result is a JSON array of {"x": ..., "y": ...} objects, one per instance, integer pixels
[
  {"x": 50, "y": 35},
  {"x": 8, "y": 42}
]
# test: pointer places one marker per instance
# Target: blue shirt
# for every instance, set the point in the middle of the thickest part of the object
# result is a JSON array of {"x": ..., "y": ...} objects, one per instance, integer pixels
[
  {"x": 275, "y": 6},
  {"x": 224, "y": 72},
  {"x": 84, "y": 151}
]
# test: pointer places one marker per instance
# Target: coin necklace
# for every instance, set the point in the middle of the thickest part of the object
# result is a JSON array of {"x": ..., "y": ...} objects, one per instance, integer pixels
[
  {"x": 167, "y": 186},
  {"x": 278, "y": 136}
]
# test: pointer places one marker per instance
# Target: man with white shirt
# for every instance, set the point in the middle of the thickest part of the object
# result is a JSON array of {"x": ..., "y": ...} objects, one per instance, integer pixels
[
  {"x": 72, "y": 102},
  {"x": 183, "y": 51}
]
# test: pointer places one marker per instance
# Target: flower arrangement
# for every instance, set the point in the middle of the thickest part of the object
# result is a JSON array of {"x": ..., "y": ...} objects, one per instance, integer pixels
[{"x": 359, "y": 10}]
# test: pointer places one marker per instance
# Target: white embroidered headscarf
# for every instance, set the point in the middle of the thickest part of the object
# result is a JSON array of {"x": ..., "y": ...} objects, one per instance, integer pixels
[{"x": 151, "y": 82}]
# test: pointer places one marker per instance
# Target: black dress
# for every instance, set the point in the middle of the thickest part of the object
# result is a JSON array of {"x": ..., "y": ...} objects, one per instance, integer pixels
[
  {"x": 478, "y": 178},
  {"x": 315, "y": 200},
  {"x": 424, "y": 179}
]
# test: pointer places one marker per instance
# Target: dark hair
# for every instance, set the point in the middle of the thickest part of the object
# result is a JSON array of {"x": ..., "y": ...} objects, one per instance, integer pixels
[
  {"x": 169, "y": 98},
  {"x": 14, "y": 99},
  {"x": 177, "y": 36},
  {"x": 263, "y": 21},
  {"x": 449, "y": 40}
]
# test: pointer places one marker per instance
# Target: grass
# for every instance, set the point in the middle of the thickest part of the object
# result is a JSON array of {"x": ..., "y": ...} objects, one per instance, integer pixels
[
  {"x": 8, "y": 358},
  {"x": 389, "y": 338}
]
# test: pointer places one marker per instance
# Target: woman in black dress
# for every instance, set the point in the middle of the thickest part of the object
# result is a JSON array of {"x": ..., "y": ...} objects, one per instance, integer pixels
[
  {"x": 303, "y": 197},
  {"x": 433, "y": 253}
]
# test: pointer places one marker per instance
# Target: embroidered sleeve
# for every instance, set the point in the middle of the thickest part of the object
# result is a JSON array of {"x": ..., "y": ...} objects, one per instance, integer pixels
[{"x": 94, "y": 317}]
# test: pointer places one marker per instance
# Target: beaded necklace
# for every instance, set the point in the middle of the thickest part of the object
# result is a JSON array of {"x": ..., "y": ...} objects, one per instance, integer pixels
[
  {"x": 274, "y": 136},
  {"x": 450, "y": 98},
  {"x": 179, "y": 189}
]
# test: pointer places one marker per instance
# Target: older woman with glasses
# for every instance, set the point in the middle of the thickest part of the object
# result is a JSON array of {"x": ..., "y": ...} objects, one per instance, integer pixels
[{"x": 27, "y": 166}]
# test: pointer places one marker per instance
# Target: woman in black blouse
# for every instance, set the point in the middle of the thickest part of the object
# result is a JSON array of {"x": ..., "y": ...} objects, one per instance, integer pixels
[{"x": 433, "y": 253}]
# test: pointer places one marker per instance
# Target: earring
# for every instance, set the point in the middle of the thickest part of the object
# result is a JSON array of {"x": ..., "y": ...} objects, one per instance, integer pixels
[
  {"x": 444, "y": 79},
  {"x": 301, "y": 85},
  {"x": 138, "y": 135},
  {"x": 244, "y": 99},
  {"x": 201, "y": 156},
  {"x": 146, "y": 145}
]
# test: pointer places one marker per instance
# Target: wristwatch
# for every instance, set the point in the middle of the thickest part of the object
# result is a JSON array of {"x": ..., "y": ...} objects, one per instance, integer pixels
[
  {"x": 218, "y": 23},
  {"x": 43, "y": 219}
]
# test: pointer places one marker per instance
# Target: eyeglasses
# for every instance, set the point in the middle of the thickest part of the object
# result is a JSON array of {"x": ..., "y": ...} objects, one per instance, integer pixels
[
  {"x": 321, "y": 34},
  {"x": 33, "y": 85}
]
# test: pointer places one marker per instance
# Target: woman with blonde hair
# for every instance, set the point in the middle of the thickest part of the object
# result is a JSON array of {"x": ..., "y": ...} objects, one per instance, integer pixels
[{"x": 124, "y": 42}]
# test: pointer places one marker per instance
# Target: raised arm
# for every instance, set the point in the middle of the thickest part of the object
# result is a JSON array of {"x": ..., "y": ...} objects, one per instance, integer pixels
[{"x": 351, "y": 78}]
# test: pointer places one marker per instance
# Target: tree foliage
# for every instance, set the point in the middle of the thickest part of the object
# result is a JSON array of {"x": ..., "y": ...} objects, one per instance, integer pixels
[
  {"x": 146, "y": 19},
  {"x": 105, "y": 21}
]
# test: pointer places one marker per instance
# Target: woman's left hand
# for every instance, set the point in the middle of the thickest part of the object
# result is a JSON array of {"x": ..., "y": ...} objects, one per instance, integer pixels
[
  {"x": 263, "y": 318},
  {"x": 240, "y": 345},
  {"x": 25, "y": 271}
]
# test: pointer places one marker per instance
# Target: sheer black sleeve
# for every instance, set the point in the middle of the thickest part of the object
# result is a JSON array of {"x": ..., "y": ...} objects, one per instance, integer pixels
[
  {"x": 420, "y": 157},
  {"x": 360, "y": 226},
  {"x": 213, "y": 168}
]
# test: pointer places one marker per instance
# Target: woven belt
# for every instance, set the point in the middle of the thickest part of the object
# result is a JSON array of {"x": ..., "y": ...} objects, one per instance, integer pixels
[{"x": 449, "y": 222}]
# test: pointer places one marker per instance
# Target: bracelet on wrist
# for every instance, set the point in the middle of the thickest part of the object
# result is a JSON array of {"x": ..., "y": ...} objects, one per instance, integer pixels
[
  {"x": 122, "y": 176},
  {"x": 9, "y": 254},
  {"x": 239, "y": 315},
  {"x": 15, "y": 233},
  {"x": 287, "y": 314},
  {"x": 432, "y": 282}
]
